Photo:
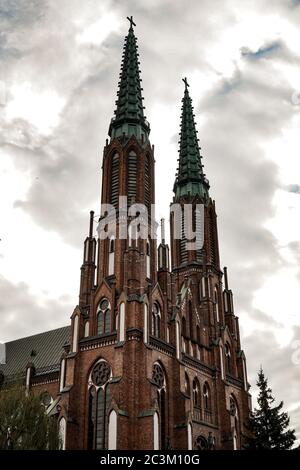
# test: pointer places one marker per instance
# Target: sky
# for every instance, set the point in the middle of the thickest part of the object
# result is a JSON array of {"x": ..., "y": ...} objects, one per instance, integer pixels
[{"x": 59, "y": 67}]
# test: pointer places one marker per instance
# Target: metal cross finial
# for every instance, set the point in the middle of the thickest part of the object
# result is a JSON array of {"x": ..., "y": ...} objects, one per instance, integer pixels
[
  {"x": 131, "y": 21},
  {"x": 185, "y": 82}
]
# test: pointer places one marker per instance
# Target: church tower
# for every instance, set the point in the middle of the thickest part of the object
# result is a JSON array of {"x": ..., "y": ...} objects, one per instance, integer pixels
[
  {"x": 154, "y": 360},
  {"x": 207, "y": 331}
]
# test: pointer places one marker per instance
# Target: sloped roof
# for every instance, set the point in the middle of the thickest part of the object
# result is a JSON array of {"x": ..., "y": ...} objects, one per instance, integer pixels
[{"x": 44, "y": 350}]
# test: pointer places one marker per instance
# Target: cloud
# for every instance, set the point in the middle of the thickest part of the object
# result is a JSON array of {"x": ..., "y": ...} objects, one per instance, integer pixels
[
  {"x": 22, "y": 314},
  {"x": 243, "y": 182},
  {"x": 13, "y": 13},
  {"x": 263, "y": 52},
  {"x": 280, "y": 368}
]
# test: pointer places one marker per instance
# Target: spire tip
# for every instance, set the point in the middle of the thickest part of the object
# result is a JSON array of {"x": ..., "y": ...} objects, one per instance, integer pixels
[
  {"x": 186, "y": 85},
  {"x": 132, "y": 23}
]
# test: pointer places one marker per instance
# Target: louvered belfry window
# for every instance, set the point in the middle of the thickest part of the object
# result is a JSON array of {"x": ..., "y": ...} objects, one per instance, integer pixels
[
  {"x": 147, "y": 184},
  {"x": 199, "y": 228},
  {"x": 183, "y": 241},
  {"x": 115, "y": 180},
  {"x": 212, "y": 239},
  {"x": 131, "y": 177}
]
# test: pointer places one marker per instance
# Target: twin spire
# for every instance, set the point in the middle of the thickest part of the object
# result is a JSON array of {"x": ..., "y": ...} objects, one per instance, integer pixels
[
  {"x": 130, "y": 120},
  {"x": 190, "y": 178},
  {"x": 129, "y": 114}
]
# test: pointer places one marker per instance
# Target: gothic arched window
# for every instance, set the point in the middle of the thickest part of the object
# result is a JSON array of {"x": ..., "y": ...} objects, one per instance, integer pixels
[
  {"x": 103, "y": 318},
  {"x": 155, "y": 320},
  {"x": 234, "y": 419},
  {"x": 159, "y": 379},
  {"x": 98, "y": 403},
  {"x": 196, "y": 393}
]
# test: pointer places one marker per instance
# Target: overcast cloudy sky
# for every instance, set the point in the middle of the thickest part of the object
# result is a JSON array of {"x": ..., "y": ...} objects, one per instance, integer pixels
[{"x": 59, "y": 66}]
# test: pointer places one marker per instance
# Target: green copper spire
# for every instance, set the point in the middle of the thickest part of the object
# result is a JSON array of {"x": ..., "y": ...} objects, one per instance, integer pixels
[
  {"x": 190, "y": 178},
  {"x": 129, "y": 115}
]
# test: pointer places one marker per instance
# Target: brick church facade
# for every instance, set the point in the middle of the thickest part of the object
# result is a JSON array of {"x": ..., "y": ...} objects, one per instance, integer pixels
[{"x": 152, "y": 358}]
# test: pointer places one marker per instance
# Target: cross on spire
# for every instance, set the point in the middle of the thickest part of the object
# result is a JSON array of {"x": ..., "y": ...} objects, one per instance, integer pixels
[
  {"x": 185, "y": 83},
  {"x": 132, "y": 23}
]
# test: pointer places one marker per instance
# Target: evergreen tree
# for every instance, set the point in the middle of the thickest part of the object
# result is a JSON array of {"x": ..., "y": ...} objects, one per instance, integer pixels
[
  {"x": 24, "y": 423},
  {"x": 268, "y": 425}
]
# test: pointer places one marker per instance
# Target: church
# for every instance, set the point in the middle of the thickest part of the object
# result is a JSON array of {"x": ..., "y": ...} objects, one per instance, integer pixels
[{"x": 152, "y": 358}]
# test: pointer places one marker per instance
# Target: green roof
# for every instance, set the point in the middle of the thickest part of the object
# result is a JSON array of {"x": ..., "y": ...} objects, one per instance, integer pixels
[
  {"x": 44, "y": 350},
  {"x": 190, "y": 178},
  {"x": 129, "y": 114}
]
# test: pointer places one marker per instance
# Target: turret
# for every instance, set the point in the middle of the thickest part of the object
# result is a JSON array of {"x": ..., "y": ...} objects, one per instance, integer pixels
[{"x": 87, "y": 278}]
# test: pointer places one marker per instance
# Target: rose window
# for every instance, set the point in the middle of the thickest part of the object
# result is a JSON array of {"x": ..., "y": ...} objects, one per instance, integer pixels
[{"x": 101, "y": 373}]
